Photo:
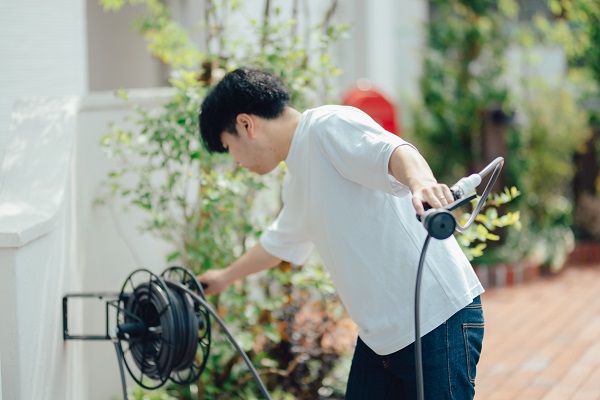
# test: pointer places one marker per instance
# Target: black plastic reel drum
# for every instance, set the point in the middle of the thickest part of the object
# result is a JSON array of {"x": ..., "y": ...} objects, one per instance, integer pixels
[{"x": 162, "y": 331}]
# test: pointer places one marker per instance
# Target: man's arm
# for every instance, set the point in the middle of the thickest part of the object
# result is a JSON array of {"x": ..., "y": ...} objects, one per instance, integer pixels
[
  {"x": 410, "y": 168},
  {"x": 254, "y": 260}
]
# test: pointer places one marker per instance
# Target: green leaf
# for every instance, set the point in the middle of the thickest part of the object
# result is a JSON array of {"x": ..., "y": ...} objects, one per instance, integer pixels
[{"x": 112, "y": 5}]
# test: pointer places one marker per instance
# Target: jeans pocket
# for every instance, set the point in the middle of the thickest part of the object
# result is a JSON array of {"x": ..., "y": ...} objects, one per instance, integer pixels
[{"x": 473, "y": 336}]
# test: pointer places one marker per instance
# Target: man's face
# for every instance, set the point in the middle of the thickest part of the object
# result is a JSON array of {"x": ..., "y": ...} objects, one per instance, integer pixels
[{"x": 249, "y": 152}]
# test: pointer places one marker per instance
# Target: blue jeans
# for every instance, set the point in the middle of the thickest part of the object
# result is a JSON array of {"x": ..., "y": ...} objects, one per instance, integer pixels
[{"x": 450, "y": 356}]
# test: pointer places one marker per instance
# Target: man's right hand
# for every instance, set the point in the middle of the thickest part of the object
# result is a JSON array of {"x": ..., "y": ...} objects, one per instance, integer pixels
[
  {"x": 254, "y": 260},
  {"x": 215, "y": 280}
]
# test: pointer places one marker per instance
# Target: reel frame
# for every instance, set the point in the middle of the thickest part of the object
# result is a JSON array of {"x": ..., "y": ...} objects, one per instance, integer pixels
[{"x": 161, "y": 332}]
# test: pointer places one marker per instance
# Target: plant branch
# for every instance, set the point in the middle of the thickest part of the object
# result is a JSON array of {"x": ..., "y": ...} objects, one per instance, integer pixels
[{"x": 266, "y": 24}]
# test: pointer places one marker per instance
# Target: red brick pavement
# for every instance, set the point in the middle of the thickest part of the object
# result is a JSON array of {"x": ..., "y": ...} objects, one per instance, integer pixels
[{"x": 542, "y": 339}]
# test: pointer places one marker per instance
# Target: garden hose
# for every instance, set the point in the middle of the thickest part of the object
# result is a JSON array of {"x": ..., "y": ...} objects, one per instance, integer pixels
[
  {"x": 441, "y": 224},
  {"x": 163, "y": 329}
]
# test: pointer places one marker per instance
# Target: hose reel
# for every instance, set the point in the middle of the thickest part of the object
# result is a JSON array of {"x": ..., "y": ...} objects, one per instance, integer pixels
[
  {"x": 162, "y": 329},
  {"x": 163, "y": 333}
]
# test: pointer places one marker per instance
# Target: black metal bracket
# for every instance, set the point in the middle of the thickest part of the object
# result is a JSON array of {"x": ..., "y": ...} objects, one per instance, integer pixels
[{"x": 109, "y": 297}]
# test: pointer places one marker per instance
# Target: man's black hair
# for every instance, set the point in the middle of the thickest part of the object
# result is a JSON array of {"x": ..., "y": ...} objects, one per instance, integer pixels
[{"x": 245, "y": 90}]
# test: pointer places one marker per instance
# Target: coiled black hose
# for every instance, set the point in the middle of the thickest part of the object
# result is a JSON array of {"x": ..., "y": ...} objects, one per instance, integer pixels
[{"x": 164, "y": 322}]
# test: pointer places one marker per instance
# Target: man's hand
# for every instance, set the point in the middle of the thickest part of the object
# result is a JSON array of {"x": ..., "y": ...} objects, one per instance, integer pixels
[
  {"x": 215, "y": 280},
  {"x": 411, "y": 169},
  {"x": 254, "y": 260},
  {"x": 436, "y": 195}
]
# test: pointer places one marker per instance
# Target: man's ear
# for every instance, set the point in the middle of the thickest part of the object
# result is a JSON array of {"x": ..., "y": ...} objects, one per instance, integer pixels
[{"x": 245, "y": 123}]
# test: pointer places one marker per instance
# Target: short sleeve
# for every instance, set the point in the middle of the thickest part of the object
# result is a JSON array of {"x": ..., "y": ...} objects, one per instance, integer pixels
[
  {"x": 286, "y": 240},
  {"x": 360, "y": 150}
]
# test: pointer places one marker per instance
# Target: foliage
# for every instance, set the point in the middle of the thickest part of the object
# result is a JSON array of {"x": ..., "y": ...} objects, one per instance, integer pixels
[
  {"x": 203, "y": 204},
  {"x": 553, "y": 130},
  {"x": 575, "y": 27},
  {"x": 141, "y": 394},
  {"x": 276, "y": 43},
  {"x": 587, "y": 215},
  {"x": 167, "y": 40},
  {"x": 474, "y": 240},
  {"x": 461, "y": 80},
  {"x": 465, "y": 76},
  {"x": 282, "y": 47},
  {"x": 188, "y": 195}
]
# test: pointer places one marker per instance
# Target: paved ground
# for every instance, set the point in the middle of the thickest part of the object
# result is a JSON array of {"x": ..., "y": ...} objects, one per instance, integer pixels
[{"x": 542, "y": 339}]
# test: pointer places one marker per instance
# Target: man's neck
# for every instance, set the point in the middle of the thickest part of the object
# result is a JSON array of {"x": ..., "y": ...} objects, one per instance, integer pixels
[{"x": 284, "y": 130}]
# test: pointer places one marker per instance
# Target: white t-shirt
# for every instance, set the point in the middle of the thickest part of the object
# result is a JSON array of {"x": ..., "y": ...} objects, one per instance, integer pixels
[{"x": 339, "y": 198}]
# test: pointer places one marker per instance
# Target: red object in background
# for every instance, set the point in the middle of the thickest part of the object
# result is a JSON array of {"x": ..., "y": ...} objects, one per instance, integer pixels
[{"x": 375, "y": 104}]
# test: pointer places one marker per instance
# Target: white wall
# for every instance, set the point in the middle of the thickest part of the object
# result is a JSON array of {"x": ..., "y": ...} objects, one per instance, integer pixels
[
  {"x": 543, "y": 63},
  {"x": 42, "y": 52},
  {"x": 55, "y": 240},
  {"x": 36, "y": 252},
  {"x": 111, "y": 246},
  {"x": 385, "y": 46},
  {"x": 42, "y": 47},
  {"x": 116, "y": 53}
]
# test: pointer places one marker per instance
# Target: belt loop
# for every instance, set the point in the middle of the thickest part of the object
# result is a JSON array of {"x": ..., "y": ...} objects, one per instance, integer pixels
[{"x": 385, "y": 361}]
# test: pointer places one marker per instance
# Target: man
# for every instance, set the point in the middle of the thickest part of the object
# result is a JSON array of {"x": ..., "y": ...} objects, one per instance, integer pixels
[{"x": 351, "y": 191}]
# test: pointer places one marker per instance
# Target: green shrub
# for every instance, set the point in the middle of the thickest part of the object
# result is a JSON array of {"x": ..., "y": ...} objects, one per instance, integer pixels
[{"x": 204, "y": 205}]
